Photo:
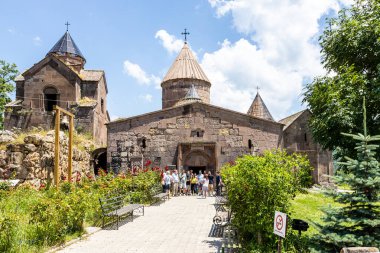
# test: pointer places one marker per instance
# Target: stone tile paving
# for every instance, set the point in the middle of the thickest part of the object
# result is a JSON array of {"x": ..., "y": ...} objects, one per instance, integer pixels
[{"x": 182, "y": 224}]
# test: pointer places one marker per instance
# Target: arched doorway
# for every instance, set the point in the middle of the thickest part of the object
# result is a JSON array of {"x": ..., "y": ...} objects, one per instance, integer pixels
[
  {"x": 198, "y": 160},
  {"x": 51, "y": 98},
  {"x": 99, "y": 158}
]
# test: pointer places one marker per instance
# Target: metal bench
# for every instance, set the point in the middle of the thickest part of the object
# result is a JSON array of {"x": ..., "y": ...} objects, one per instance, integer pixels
[
  {"x": 114, "y": 207},
  {"x": 159, "y": 195},
  {"x": 223, "y": 214},
  {"x": 230, "y": 242}
]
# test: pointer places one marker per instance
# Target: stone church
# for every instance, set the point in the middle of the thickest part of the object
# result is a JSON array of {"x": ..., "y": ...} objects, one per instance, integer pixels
[
  {"x": 60, "y": 79},
  {"x": 190, "y": 133}
]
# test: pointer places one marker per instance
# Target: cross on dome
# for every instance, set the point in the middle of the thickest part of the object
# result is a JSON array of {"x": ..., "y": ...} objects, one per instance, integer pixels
[{"x": 185, "y": 33}]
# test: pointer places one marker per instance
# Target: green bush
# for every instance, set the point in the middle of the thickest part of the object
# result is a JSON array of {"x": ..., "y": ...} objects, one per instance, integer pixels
[
  {"x": 7, "y": 231},
  {"x": 257, "y": 186},
  {"x": 31, "y": 220}
]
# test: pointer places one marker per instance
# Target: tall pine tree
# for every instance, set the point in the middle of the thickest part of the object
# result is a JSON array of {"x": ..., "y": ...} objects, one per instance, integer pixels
[{"x": 357, "y": 223}]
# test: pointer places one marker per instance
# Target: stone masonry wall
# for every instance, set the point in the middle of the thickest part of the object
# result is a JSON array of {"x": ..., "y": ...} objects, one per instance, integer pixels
[
  {"x": 164, "y": 130},
  {"x": 298, "y": 138},
  {"x": 34, "y": 158},
  {"x": 175, "y": 90}
]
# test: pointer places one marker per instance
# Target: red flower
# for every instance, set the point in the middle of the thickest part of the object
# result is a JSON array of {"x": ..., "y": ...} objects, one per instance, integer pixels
[{"x": 148, "y": 162}]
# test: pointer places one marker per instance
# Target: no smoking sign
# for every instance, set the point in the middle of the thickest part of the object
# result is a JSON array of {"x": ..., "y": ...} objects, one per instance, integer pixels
[{"x": 279, "y": 226}]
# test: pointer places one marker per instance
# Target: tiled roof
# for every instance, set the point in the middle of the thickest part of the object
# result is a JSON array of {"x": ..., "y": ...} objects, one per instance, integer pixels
[
  {"x": 259, "y": 109},
  {"x": 66, "y": 45},
  {"x": 290, "y": 119},
  {"x": 91, "y": 75},
  {"x": 185, "y": 66}
]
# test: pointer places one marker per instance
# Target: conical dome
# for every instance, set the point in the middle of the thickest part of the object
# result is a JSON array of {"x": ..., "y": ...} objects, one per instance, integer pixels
[
  {"x": 184, "y": 76},
  {"x": 66, "y": 45},
  {"x": 185, "y": 66},
  {"x": 259, "y": 109}
]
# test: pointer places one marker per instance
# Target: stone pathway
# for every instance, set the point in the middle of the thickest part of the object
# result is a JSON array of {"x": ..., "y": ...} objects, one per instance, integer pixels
[{"x": 182, "y": 224}]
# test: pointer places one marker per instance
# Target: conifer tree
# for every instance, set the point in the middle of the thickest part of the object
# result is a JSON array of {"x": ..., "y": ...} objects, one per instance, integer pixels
[{"x": 357, "y": 222}]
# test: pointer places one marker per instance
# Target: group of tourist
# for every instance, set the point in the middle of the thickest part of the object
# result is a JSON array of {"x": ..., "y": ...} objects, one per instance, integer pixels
[{"x": 188, "y": 183}]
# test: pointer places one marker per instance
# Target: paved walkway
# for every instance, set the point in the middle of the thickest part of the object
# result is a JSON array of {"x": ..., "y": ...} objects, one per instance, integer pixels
[{"x": 182, "y": 224}]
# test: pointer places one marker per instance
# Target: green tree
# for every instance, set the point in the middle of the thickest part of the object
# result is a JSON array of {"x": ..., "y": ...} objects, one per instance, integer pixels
[
  {"x": 257, "y": 186},
  {"x": 358, "y": 222},
  {"x": 351, "y": 55},
  {"x": 8, "y": 73}
]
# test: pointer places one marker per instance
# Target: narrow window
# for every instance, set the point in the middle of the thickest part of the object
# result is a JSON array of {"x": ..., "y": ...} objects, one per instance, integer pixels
[
  {"x": 102, "y": 105},
  {"x": 305, "y": 137},
  {"x": 250, "y": 144},
  {"x": 143, "y": 144},
  {"x": 198, "y": 135}
]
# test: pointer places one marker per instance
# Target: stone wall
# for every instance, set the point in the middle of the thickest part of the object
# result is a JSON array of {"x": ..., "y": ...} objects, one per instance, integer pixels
[
  {"x": 34, "y": 157},
  {"x": 175, "y": 90},
  {"x": 200, "y": 123},
  {"x": 298, "y": 138}
]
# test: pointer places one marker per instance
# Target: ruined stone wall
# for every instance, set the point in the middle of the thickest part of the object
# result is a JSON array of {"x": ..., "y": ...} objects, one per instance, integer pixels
[
  {"x": 298, "y": 138},
  {"x": 164, "y": 130},
  {"x": 34, "y": 158},
  {"x": 100, "y": 115},
  {"x": 175, "y": 90}
]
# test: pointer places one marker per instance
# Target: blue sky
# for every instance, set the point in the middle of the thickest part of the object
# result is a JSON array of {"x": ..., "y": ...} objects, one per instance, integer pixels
[{"x": 240, "y": 44}]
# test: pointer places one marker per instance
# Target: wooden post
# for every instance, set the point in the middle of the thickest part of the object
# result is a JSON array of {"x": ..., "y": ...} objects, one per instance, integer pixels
[
  {"x": 279, "y": 245},
  {"x": 70, "y": 156},
  {"x": 57, "y": 171},
  {"x": 56, "y": 150}
]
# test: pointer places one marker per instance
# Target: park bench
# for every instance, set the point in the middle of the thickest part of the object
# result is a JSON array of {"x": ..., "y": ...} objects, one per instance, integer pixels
[
  {"x": 230, "y": 241},
  {"x": 223, "y": 214},
  {"x": 113, "y": 206},
  {"x": 159, "y": 195}
]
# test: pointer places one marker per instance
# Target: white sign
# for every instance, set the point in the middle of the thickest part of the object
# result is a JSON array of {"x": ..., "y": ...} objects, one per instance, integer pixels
[{"x": 279, "y": 226}]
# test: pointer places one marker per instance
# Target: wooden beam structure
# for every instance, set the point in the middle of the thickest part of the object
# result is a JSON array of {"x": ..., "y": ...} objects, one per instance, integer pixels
[{"x": 57, "y": 171}]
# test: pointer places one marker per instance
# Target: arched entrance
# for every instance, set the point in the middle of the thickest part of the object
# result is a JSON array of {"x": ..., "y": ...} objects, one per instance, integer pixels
[
  {"x": 99, "y": 158},
  {"x": 51, "y": 98},
  {"x": 197, "y": 157},
  {"x": 198, "y": 161}
]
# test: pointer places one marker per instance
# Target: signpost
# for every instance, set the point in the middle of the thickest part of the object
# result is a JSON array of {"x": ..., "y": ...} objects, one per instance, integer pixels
[{"x": 279, "y": 227}]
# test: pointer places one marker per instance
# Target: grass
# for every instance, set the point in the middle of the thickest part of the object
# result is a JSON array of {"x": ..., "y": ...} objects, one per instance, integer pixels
[
  {"x": 83, "y": 141},
  {"x": 308, "y": 206}
]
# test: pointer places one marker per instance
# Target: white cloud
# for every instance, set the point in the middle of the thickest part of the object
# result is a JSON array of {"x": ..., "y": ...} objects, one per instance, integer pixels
[
  {"x": 170, "y": 42},
  {"x": 37, "y": 41},
  {"x": 281, "y": 53},
  {"x": 135, "y": 71},
  {"x": 147, "y": 97},
  {"x": 11, "y": 31}
]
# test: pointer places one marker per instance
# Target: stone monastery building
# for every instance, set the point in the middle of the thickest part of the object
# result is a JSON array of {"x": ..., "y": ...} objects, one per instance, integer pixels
[
  {"x": 190, "y": 133},
  {"x": 187, "y": 133},
  {"x": 60, "y": 79}
]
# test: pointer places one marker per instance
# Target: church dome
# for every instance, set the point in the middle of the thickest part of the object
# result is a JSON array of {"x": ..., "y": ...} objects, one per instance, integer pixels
[
  {"x": 66, "y": 45},
  {"x": 185, "y": 66},
  {"x": 184, "y": 74}
]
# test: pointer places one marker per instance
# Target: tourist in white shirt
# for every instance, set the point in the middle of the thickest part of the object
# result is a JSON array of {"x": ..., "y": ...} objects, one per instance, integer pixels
[
  {"x": 200, "y": 182},
  {"x": 175, "y": 183},
  {"x": 205, "y": 185}
]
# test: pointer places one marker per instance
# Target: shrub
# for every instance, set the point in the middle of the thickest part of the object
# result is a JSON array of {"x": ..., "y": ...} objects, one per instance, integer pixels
[
  {"x": 7, "y": 231},
  {"x": 257, "y": 186}
]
